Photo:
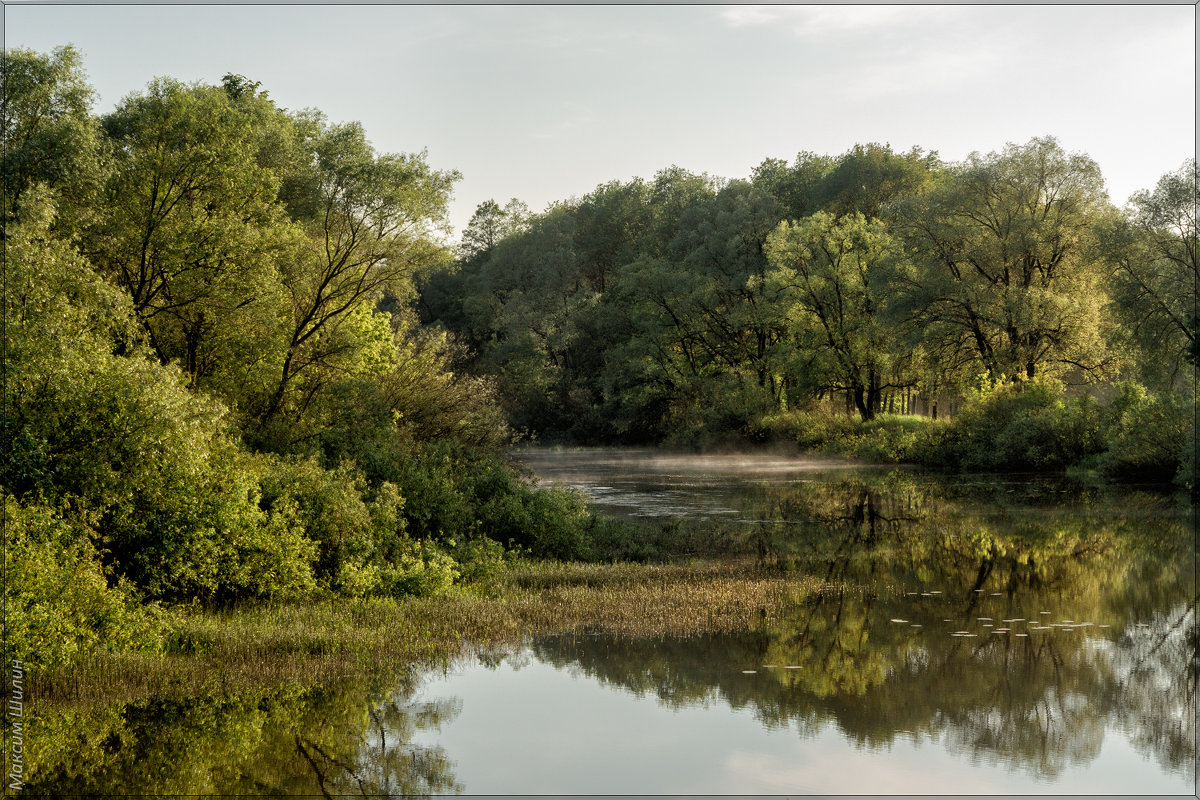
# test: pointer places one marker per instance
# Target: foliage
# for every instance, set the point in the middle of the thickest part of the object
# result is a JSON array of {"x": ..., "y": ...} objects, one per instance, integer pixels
[
  {"x": 838, "y": 275},
  {"x": 1007, "y": 279},
  {"x": 242, "y": 364},
  {"x": 1030, "y": 425},
  {"x": 1150, "y": 436},
  {"x": 49, "y": 135},
  {"x": 57, "y": 600},
  {"x": 1152, "y": 253}
]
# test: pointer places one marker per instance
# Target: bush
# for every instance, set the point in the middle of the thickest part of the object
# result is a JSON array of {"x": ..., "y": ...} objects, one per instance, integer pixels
[
  {"x": 58, "y": 604},
  {"x": 812, "y": 429},
  {"x": 1150, "y": 437},
  {"x": 1016, "y": 426},
  {"x": 715, "y": 409}
]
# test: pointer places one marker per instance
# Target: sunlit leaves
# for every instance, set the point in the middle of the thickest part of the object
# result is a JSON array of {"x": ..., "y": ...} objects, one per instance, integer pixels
[{"x": 1006, "y": 278}]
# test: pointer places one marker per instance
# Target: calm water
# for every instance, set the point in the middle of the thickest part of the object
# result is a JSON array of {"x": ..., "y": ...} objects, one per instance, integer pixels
[{"x": 975, "y": 635}]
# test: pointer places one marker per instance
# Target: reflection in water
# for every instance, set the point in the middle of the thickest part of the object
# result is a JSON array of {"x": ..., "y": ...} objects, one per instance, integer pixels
[
  {"x": 1013, "y": 621},
  {"x": 1035, "y": 697},
  {"x": 344, "y": 739},
  {"x": 1017, "y": 625}
]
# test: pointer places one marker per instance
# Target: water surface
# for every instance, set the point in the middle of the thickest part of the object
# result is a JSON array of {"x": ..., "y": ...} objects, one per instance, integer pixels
[{"x": 972, "y": 635}]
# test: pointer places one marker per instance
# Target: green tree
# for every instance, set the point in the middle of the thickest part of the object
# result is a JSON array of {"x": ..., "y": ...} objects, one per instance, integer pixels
[
  {"x": 838, "y": 275},
  {"x": 1152, "y": 250},
  {"x": 868, "y": 178},
  {"x": 369, "y": 221},
  {"x": 148, "y": 468},
  {"x": 490, "y": 224},
  {"x": 796, "y": 188},
  {"x": 1007, "y": 279},
  {"x": 191, "y": 228},
  {"x": 49, "y": 134}
]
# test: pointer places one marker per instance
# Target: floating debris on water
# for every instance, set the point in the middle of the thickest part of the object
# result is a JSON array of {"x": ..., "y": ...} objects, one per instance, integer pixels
[
  {"x": 995, "y": 594},
  {"x": 768, "y": 666},
  {"x": 1043, "y": 612},
  {"x": 963, "y": 635},
  {"x": 749, "y": 672},
  {"x": 1023, "y": 634},
  {"x": 984, "y": 619},
  {"x": 899, "y": 620},
  {"x": 1002, "y": 630},
  {"x": 1102, "y": 626},
  {"x": 1041, "y": 628},
  {"x": 1015, "y": 619},
  {"x": 926, "y": 594},
  {"x": 790, "y": 666},
  {"x": 936, "y": 591},
  {"x": 915, "y": 625}
]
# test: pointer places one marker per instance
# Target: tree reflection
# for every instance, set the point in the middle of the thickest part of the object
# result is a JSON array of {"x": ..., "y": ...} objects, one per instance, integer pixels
[
  {"x": 344, "y": 739},
  {"x": 1080, "y": 619}
]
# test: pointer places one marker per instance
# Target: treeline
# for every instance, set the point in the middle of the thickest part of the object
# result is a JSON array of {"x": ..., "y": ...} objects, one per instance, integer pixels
[
  {"x": 687, "y": 308},
  {"x": 215, "y": 387}
]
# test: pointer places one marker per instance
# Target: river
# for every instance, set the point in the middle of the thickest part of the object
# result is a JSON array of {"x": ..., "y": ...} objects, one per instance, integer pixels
[{"x": 999, "y": 634}]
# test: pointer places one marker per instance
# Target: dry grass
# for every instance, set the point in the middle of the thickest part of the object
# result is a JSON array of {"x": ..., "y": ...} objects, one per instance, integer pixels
[{"x": 328, "y": 640}]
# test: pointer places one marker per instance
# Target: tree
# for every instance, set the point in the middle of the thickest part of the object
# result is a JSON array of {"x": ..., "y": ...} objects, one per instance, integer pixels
[
  {"x": 838, "y": 275},
  {"x": 867, "y": 178},
  {"x": 1006, "y": 278},
  {"x": 1152, "y": 251},
  {"x": 369, "y": 221},
  {"x": 49, "y": 134},
  {"x": 490, "y": 224},
  {"x": 191, "y": 228},
  {"x": 796, "y": 187}
]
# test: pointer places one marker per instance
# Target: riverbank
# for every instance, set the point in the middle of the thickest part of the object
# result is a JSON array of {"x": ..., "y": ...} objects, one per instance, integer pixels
[
  {"x": 1033, "y": 427},
  {"x": 319, "y": 641}
]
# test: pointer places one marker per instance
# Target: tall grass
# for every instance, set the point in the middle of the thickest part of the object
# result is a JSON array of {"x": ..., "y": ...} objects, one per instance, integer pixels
[{"x": 266, "y": 645}]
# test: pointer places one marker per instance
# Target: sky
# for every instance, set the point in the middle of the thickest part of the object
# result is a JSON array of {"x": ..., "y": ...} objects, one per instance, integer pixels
[{"x": 543, "y": 103}]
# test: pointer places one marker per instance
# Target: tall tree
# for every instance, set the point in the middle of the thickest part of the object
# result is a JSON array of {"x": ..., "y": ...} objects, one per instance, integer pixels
[
  {"x": 1007, "y": 279},
  {"x": 49, "y": 134},
  {"x": 191, "y": 226},
  {"x": 795, "y": 187},
  {"x": 1152, "y": 249},
  {"x": 369, "y": 221},
  {"x": 867, "y": 178},
  {"x": 490, "y": 224},
  {"x": 838, "y": 275}
]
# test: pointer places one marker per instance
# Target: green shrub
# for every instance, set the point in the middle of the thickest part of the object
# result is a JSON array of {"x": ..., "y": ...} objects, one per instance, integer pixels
[
  {"x": 1150, "y": 437},
  {"x": 812, "y": 429},
  {"x": 58, "y": 604},
  {"x": 715, "y": 409},
  {"x": 890, "y": 439},
  {"x": 1022, "y": 426}
]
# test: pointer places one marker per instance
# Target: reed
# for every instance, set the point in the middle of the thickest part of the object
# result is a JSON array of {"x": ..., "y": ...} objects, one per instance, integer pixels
[{"x": 270, "y": 644}]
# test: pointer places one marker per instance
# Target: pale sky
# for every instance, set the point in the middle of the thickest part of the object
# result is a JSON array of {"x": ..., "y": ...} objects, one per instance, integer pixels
[{"x": 545, "y": 102}]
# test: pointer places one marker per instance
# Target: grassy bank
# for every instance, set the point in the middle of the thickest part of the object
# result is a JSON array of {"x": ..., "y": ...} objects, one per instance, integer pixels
[
  {"x": 267, "y": 645},
  {"x": 1030, "y": 427}
]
